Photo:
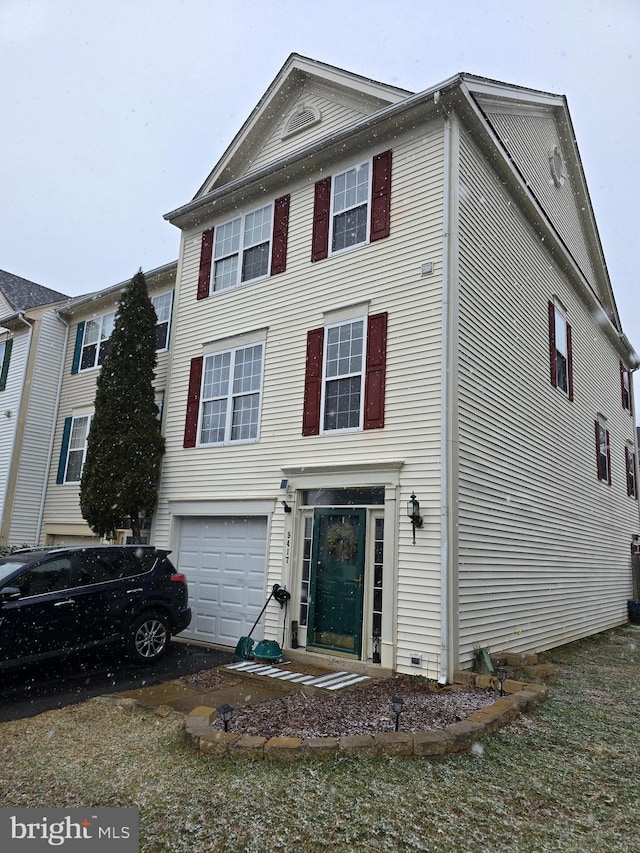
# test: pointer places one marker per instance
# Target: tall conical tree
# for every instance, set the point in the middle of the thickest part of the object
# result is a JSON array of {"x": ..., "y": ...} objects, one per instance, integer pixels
[{"x": 125, "y": 446}]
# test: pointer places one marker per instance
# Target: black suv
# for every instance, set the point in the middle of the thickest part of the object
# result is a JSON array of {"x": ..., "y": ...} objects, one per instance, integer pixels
[{"x": 54, "y": 601}]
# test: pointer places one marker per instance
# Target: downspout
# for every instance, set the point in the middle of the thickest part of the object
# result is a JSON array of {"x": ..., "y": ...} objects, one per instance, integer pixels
[
  {"x": 53, "y": 429},
  {"x": 445, "y": 520}
]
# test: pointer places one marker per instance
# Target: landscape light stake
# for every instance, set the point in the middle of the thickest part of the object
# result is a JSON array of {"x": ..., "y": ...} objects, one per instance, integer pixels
[
  {"x": 501, "y": 674},
  {"x": 397, "y": 703},
  {"x": 225, "y": 712}
]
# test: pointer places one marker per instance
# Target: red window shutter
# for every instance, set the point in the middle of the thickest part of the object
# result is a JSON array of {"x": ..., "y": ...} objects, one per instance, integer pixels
[
  {"x": 206, "y": 254},
  {"x": 280, "y": 234},
  {"x": 376, "y": 365},
  {"x": 552, "y": 345},
  {"x": 608, "y": 458},
  {"x": 635, "y": 474},
  {"x": 313, "y": 382},
  {"x": 193, "y": 403},
  {"x": 381, "y": 196},
  {"x": 570, "y": 362},
  {"x": 321, "y": 204}
]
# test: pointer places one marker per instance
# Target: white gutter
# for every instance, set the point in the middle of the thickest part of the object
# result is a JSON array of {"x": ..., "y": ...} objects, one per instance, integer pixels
[{"x": 445, "y": 664}]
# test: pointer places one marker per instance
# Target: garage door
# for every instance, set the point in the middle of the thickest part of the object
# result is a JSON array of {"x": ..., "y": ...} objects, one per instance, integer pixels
[{"x": 224, "y": 560}]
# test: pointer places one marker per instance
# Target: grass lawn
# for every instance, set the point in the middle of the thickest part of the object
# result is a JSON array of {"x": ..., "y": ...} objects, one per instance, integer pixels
[{"x": 565, "y": 779}]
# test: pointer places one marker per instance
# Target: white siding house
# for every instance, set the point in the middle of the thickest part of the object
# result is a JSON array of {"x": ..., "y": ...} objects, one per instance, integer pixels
[
  {"x": 384, "y": 297},
  {"x": 89, "y": 322},
  {"x": 31, "y": 351}
]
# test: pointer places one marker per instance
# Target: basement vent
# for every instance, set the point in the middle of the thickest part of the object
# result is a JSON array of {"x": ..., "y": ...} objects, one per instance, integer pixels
[{"x": 302, "y": 117}]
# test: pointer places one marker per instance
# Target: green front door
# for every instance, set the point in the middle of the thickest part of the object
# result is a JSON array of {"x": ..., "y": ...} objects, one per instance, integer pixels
[{"x": 337, "y": 576}]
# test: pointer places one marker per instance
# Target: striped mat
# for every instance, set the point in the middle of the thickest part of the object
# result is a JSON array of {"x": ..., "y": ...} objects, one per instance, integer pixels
[{"x": 332, "y": 681}]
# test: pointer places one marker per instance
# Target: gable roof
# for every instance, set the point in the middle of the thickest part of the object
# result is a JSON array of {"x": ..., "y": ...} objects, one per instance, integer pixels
[
  {"x": 489, "y": 109},
  {"x": 21, "y": 294}
]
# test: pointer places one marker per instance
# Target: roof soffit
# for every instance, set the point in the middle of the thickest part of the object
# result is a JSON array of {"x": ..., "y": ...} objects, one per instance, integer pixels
[
  {"x": 298, "y": 77},
  {"x": 471, "y": 102}
]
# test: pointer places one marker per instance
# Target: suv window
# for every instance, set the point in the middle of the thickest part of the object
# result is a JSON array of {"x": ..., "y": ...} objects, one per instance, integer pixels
[
  {"x": 47, "y": 577},
  {"x": 100, "y": 566}
]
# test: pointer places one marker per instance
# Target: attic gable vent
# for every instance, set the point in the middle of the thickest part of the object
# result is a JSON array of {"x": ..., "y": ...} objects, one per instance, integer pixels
[{"x": 302, "y": 117}]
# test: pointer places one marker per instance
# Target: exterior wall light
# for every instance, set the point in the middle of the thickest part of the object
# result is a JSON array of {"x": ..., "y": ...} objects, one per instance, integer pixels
[
  {"x": 225, "y": 712},
  {"x": 501, "y": 674},
  {"x": 413, "y": 512},
  {"x": 397, "y": 702}
]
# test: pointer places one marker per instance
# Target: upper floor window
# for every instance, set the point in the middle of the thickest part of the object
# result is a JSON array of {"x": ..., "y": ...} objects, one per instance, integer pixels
[
  {"x": 625, "y": 388},
  {"x": 224, "y": 400},
  {"x": 603, "y": 449},
  {"x": 352, "y": 207},
  {"x": 95, "y": 343},
  {"x": 163, "y": 305},
  {"x": 5, "y": 357},
  {"x": 631, "y": 468},
  {"x": 345, "y": 375},
  {"x": 560, "y": 350},
  {"x": 246, "y": 248},
  {"x": 74, "y": 448}
]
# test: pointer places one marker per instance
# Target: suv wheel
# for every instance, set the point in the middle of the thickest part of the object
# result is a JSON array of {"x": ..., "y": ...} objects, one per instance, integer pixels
[{"x": 148, "y": 637}]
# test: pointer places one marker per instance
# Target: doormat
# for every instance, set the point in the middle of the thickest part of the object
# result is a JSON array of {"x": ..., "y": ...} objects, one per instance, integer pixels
[{"x": 332, "y": 681}]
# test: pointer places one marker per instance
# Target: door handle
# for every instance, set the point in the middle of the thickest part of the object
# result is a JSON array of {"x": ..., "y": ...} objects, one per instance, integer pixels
[
  {"x": 66, "y": 601},
  {"x": 138, "y": 589}
]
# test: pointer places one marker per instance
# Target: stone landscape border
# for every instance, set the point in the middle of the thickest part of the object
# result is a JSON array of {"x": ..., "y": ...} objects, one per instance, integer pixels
[{"x": 433, "y": 744}]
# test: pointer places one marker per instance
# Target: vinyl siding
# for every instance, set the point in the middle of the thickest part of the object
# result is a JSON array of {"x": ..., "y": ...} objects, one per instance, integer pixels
[
  {"x": 34, "y": 459},
  {"x": 388, "y": 274},
  {"x": 77, "y": 395},
  {"x": 10, "y": 401},
  {"x": 543, "y": 545},
  {"x": 334, "y": 116},
  {"x": 528, "y": 139}
]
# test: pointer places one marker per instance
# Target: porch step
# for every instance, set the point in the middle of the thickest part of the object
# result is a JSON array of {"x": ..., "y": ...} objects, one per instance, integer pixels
[{"x": 329, "y": 681}]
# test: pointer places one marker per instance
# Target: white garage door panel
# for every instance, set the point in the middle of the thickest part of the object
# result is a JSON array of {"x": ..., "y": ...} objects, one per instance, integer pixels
[{"x": 224, "y": 561}]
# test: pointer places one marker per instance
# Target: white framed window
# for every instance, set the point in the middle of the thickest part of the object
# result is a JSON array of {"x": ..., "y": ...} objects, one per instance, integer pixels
[
  {"x": 242, "y": 249},
  {"x": 343, "y": 376},
  {"x": 632, "y": 470},
  {"x": 231, "y": 394},
  {"x": 95, "y": 341},
  {"x": 562, "y": 351},
  {"x": 163, "y": 305},
  {"x": 77, "y": 448},
  {"x": 350, "y": 196}
]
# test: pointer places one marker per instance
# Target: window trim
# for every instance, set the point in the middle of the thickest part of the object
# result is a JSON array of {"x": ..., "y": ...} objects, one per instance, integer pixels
[
  {"x": 325, "y": 379},
  {"x": 5, "y": 359},
  {"x": 332, "y": 214},
  {"x": 555, "y": 310},
  {"x": 626, "y": 389},
  {"x": 230, "y": 396},
  {"x": 67, "y": 450},
  {"x": 169, "y": 322},
  {"x": 97, "y": 361},
  {"x": 241, "y": 250}
]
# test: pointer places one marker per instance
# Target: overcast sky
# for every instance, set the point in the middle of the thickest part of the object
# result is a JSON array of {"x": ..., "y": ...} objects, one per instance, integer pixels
[{"x": 113, "y": 112}]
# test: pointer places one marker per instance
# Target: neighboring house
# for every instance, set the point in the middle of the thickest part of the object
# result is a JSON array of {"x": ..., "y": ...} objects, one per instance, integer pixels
[
  {"x": 31, "y": 348},
  {"x": 380, "y": 294},
  {"x": 89, "y": 320}
]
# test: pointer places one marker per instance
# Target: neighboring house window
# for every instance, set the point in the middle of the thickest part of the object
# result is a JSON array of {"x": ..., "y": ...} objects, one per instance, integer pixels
[
  {"x": 625, "y": 388},
  {"x": 603, "y": 450},
  {"x": 560, "y": 351},
  {"x": 74, "y": 448},
  {"x": 244, "y": 249},
  {"x": 352, "y": 208},
  {"x": 631, "y": 467},
  {"x": 163, "y": 305},
  {"x": 5, "y": 358},
  {"x": 345, "y": 376},
  {"x": 92, "y": 342},
  {"x": 224, "y": 398}
]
